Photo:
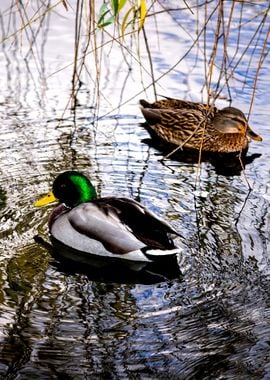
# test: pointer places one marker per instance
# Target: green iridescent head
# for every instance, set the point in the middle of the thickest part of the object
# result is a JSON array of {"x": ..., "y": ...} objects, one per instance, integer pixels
[{"x": 70, "y": 188}]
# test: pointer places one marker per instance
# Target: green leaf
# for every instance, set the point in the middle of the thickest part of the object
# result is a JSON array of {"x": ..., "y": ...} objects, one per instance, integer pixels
[
  {"x": 121, "y": 4},
  {"x": 125, "y": 22},
  {"x": 103, "y": 12},
  {"x": 115, "y": 7},
  {"x": 107, "y": 22}
]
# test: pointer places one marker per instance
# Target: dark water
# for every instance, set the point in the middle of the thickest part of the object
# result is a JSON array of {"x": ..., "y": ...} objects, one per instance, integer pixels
[{"x": 210, "y": 319}]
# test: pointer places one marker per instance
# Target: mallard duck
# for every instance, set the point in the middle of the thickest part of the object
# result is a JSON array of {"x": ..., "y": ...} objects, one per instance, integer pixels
[
  {"x": 109, "y": 226},
  {"x": 198, "y": 126}
]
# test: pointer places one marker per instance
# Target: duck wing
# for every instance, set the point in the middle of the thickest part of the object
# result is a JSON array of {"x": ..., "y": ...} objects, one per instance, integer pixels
[
  {"x": 177, "y": 104},
  {"x": 99, "y": 222},
  {"x": 144, "y": 225},
  {"x": 174, "y": 118},
  {"x": 122, "y": 225}
]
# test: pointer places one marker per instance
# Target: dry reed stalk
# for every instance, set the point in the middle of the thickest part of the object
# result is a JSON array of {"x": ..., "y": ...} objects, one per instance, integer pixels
[{"x": 223, "y": 13}]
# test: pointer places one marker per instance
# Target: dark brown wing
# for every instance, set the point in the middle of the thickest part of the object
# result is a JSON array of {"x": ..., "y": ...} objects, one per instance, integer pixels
[
  {"x": 174, "y": 118},
  {"x": 176, "y": 104}
]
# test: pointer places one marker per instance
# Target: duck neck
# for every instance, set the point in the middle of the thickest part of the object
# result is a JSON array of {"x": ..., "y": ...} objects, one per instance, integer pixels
[{"x": 232, "y": 142}]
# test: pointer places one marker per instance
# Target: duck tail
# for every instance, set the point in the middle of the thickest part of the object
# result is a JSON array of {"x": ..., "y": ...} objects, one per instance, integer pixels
[
  {"x": 145, "y": 104},
  {"x": 151, "y": 116},
  {"x": 159, "y": 254}
]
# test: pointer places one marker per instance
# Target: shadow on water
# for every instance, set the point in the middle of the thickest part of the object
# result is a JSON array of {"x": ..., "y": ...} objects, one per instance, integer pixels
[
  {"x": 227, "y": 164},
  {"x": 108, "y": 270}
]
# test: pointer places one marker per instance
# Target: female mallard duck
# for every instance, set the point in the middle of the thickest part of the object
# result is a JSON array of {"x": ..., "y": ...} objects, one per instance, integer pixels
[
  {"x": 198, "y": 126},
  {"x": 109, "y": 226}
]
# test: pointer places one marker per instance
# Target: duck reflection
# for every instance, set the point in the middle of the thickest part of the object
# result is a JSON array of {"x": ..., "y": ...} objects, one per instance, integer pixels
[
  {"x": 110, "y": 270},
  {"x": 227, "y": 164}
]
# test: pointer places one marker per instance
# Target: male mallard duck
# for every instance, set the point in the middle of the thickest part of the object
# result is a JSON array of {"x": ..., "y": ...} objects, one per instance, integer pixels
[
  {"x": 198, "y": 126},
  {"x": 109, "y": 226}
]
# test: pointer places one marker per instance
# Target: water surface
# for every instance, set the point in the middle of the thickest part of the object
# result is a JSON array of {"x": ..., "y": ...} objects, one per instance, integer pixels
[{"x": 209, "y": 321}]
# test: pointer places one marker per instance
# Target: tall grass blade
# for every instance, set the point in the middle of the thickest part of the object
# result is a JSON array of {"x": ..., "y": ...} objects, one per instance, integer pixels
[
  {"x": 143, "y": 12},
  {"x": 125, "y": 21}
]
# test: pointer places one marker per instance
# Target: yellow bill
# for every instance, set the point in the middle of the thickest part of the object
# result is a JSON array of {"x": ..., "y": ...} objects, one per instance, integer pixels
[{"x": 49, "y": 198}]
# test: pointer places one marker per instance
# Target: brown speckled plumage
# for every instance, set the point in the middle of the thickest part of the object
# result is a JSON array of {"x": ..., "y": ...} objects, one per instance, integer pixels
[{"x": 198, "y": 126}]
